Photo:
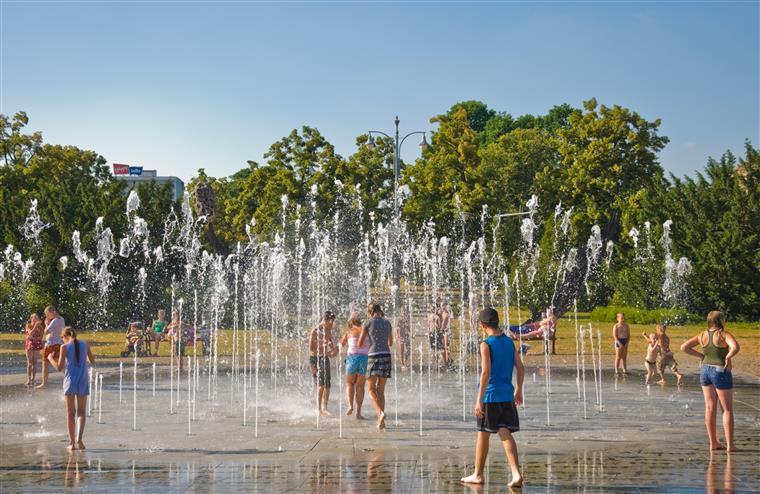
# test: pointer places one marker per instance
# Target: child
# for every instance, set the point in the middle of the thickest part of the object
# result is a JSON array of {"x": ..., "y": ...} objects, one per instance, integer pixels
[
  {"x": 495, "y": 406},
  {"x": 653, "y": 350},
  {"x": 132, "y": 340},
  {"x": 621, "y": 333},
  {"x": 666, "y": 357},
  {"x": 356, "y": 365},
  {"x": 72, "y": 360}
]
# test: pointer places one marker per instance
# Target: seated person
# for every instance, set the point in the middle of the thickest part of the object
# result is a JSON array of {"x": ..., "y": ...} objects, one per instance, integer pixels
[
  {"x": 539, "y": 330},
  {"x": 133, "y": 340}
]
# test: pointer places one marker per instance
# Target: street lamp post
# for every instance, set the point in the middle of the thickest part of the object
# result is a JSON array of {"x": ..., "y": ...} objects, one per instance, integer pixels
[
  {"x": 396, "y": 157},
  {"x": 397, "y": 143}
]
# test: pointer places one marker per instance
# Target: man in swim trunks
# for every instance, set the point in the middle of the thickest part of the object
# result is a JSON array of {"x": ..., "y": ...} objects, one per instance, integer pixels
[
  {"x": 403, "y": 335},
  {"x": 321, "y": 348},
  {"x": 445, "y": 331},
  {"x": 621, "y": 333}
]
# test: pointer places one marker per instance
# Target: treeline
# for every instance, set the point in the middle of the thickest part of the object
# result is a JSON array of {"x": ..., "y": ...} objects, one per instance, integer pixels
[{"x": 601, "y": 161}]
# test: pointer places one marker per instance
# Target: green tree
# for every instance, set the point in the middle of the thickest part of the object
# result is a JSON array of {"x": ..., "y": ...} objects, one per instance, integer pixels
[
  {"x": 716, "y": 224},
  {"x": 608, "y": 160}
]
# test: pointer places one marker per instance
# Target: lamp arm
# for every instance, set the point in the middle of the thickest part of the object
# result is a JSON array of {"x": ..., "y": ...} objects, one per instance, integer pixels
[
  {"x": 379, "y": 132},
  {"x": 409, "y": 134}
]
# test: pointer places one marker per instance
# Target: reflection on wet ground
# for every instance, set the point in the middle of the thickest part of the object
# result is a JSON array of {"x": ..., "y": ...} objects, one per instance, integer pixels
[
  {"x": 641, "y": 470},
  {"x": 640, "y": 443}
]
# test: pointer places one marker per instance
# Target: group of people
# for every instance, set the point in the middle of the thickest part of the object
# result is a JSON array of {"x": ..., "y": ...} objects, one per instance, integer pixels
[
  {"x": 178, "y": 333},
  {"x": 659, "y": 356},
  {"x": 42, "y": 334},
  {"x": 495, "y": 407},
  {"x": 62, "y": 350},
  {"x": 368, "y": 360}
]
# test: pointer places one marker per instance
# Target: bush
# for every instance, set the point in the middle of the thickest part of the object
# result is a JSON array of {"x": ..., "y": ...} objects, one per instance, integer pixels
[{"x": 634, "y": 315}]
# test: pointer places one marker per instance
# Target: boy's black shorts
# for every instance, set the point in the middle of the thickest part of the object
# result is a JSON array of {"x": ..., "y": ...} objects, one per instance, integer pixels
[{"x": 502, "y": 415}]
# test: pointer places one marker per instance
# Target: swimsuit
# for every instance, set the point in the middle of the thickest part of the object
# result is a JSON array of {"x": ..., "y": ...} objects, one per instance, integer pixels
[{"x": 621, "y": 342}]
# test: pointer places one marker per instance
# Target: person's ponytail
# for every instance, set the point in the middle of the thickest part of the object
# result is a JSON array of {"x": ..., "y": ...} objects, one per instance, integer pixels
[{"x": 70, "y": 332}]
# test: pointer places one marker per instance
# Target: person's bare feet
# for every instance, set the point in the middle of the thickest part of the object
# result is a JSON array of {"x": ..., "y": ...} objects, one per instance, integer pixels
[
  {"x": 472, "y": 479},
  {"x": 716, "y": 447},
  {"x": 661, "y": 382},
  {"x": 80, "y": 445},
  {"x": 41, "y": 385},
  {"x": 70, "y": 448},
  {"x": 516, "y": 482},
  {"x": 359, "y": 416},
  {"x": 679, "y": 381},
  {"x": 350, "y": 411},
  {"x": 381, "y": 421}
]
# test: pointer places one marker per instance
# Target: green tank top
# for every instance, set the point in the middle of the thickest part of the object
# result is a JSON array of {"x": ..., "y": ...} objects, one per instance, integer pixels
[
  {"x": 714, "y": 355},
  {"x": 158, "y": 326}
]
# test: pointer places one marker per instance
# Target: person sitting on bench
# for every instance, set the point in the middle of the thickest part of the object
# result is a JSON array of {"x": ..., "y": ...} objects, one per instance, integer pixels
[{"x": 539, "y": 330}]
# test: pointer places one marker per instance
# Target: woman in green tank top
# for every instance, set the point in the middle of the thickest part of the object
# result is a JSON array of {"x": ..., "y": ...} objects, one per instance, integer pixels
[
  {"x": 718, "y": 348},
  {"x": 158, "y": 328}
]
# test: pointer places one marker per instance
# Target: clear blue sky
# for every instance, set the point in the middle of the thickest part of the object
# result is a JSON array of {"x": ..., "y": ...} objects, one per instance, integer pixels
[{"x": 178, "y": 86}]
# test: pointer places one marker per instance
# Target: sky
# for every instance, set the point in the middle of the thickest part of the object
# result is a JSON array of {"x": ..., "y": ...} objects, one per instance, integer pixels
[{"x": 177, "y": 86}]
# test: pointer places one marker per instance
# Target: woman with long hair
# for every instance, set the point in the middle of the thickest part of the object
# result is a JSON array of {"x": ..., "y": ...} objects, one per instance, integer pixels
[
  {"x": 380, "y": 333},
  {"x": 356, "y": 365},
  {"x": 32, "y": 345},
  {"x": 73, "y": 360},
  {"x": 718, "y": 349}
]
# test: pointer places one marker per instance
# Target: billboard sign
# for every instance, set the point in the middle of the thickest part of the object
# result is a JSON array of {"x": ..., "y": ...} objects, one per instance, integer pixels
[
  {"x": 119, "y": 169},
  {"x": 135, "y": 170}
]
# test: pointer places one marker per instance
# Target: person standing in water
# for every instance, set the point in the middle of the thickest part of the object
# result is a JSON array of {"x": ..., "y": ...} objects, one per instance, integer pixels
[
  {"x": 621, "y": 333},
  {"x": 54, "y": 324},
  {"x": 445, "y": 331},
  {"x": 718, "y": 349},
  {"x": 380, "y": 333},
  {"x": 321, "y": 348},
  {"x": 653, "y": 350},
  {"x": 403, "y": 335},
  {"x": 666, "y": 358},
  {"x": 434, "y": 332},
  {"x": 73, "y": 360},
  {"x": 32, "y": 345},
  {"x": 356, "y": 365},
  {"x": 495, "y": 406}
]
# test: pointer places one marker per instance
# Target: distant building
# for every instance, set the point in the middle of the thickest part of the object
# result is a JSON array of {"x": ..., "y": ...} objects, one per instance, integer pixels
[{"x": 145, "y": 176}]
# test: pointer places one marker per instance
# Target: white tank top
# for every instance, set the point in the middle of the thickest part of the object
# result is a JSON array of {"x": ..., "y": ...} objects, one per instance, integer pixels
[{"x": 354, "y": 349}]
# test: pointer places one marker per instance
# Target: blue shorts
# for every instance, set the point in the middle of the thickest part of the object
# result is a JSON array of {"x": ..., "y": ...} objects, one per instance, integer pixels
[
  {"x": 356, "y": 364},
  {"x": 710, "y": 375}
]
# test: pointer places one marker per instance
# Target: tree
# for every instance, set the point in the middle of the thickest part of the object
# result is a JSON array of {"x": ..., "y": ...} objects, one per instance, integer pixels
[
  {"x": 716, "y": 218},
  {"x": 608, "y": 160}
]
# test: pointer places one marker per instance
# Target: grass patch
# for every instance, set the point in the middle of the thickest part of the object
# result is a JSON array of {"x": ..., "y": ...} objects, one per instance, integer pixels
[{"x": 109, "y": 344}]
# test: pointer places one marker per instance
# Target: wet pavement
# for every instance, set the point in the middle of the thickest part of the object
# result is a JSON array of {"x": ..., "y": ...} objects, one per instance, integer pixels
[{"x": 643, "y": 440}]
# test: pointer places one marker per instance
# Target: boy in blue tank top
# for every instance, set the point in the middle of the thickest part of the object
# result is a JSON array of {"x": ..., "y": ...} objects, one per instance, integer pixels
[{"x": 495, "y": 407}]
